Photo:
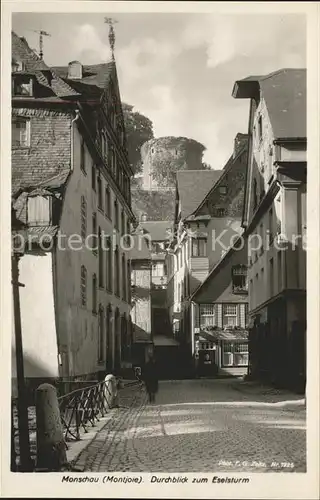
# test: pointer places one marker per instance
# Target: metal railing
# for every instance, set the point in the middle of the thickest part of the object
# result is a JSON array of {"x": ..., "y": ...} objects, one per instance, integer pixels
[{"x": 83, "y": 407}]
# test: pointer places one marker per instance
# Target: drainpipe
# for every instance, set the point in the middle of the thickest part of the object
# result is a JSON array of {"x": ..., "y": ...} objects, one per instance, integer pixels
[{"x": 77, "y": 112}]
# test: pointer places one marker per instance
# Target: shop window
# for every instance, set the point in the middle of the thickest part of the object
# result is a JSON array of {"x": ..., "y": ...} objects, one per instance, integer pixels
[{"x": 235, "y": 354}]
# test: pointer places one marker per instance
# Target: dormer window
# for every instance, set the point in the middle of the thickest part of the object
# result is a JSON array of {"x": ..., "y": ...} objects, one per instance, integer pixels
[
  {"x": 17, "y": 66},
  {"x": 22, "y": 85}
]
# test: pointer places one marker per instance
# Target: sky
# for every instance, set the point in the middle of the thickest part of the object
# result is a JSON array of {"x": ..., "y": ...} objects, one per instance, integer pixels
[{"x": 178, "y": 69}]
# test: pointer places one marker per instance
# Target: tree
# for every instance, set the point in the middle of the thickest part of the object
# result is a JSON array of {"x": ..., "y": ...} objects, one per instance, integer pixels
[{"x": 139, "y": 129}]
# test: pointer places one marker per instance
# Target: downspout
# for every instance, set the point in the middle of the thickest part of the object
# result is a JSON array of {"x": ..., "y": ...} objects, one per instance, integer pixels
[{"x": 77, "y": 112}]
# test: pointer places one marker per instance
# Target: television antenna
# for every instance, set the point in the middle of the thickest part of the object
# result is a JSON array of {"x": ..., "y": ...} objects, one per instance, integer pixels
[{"x": 41, "y": 34}]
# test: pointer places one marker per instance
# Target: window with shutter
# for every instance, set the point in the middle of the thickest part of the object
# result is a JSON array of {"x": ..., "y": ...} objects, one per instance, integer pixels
[{"x": 39, "y": 210}]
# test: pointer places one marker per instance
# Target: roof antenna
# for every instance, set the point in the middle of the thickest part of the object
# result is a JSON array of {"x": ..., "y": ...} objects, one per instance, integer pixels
[
  {"x": 112, "y": 36},
  {"x": 41, "y": 34}
]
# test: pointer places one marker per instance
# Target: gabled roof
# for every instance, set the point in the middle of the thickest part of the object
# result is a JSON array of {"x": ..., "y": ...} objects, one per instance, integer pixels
[
  {"x": 158, "y": 230},
  {"x": 284, "y": 92},
  {"x": 36, "y": 66},
  {"x": 193, "y": 186}
]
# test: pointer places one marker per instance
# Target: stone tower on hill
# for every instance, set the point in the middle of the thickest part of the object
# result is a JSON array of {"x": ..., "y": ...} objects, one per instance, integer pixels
[{"x": 164, "y": 156}]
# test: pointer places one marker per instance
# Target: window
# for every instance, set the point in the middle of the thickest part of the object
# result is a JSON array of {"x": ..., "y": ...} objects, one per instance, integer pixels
[
  {"x": 108, "y": 202},
  {"x": 262, "y": 239},
  {"x": 116, "y": 215},
  {"x": 262, "y": 277},
  {"x": 20, "y": 131},
  {"x": 207, "y": 315},
  {"x": 22, "y": 86},
  {"x": 255, "y": 194},
  {"x": 239, "y": 279},
  {"x": 83, "y": 217},
  {"x": 279, "y": 270},
  {"x": 235, "y": 354},
  {"x": 93, "y": 177},
  {"x": 109, "y": 265},
  {"x": 100, "y": 202},
  {"x": 158, "y": 269},
  {"x": 199, "y": 247},
  {"x": 39, "y": 210},
  {"x": 124, "y": 278},
  {"x": 117, "y": 272},
  {"x": 94, "y": 294},
  {"x": 100, "y": 259},
  {"x": 101, "y": 334},
  {"x": 229, "y": 315},
  {"x": 82, "y": 156},
  {"x": 94, "y": 233},
  {"x": 260, "y": 131},
  {"x": 83, "y": 289},
  {"x": 123, "y": 223},
  {"x": 223, "y": 189},
  {"x": 129, "y": 281},
  {"x": 271, "y": 235},
  {"x": 240, "y": 354},
  {"x": 113, "y": 162},
  {"x": 219, "y": 212}
]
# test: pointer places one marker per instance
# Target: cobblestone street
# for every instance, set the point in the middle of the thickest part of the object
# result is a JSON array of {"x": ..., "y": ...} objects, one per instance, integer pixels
[{"x": 201, "y": 426}]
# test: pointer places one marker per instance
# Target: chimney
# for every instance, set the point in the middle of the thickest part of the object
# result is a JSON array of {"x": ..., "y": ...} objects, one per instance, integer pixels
[{"x": 75, "y": 70}]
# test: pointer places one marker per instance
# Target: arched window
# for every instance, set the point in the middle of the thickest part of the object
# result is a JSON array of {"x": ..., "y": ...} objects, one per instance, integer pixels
[
  {"x": 94, "y": 294},
  {"x": 83, "y": 286}
]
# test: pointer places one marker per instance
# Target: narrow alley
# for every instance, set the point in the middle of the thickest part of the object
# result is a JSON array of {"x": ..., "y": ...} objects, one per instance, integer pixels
[{"x": 201, "y": 426}]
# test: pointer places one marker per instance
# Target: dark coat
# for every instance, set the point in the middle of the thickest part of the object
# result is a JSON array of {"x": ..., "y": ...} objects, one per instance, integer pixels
[{"x": 150, "y": 376}]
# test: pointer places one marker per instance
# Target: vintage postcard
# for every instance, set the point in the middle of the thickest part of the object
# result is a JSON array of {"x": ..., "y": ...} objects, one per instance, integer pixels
[{"x": 159, "y": 250}]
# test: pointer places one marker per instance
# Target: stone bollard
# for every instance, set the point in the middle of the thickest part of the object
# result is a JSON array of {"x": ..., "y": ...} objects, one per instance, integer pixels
[
  {"x": 111, "y": 391},
  {"x": 51, "y": 447}
]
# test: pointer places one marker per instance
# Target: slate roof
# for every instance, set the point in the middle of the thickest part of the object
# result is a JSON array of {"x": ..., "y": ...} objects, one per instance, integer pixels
[
  {"x": 158, "y": 230},
  {"x": 140, "y": 250},
  {"x": 193, "y": 186},
  {"x": 34, "y": 65},
  {"x": 284, "y": 92},
  {"x": 94, "y": 75}
]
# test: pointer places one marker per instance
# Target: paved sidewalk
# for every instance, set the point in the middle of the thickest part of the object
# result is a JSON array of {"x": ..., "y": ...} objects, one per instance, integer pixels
[{"x": 200, "y": 426}]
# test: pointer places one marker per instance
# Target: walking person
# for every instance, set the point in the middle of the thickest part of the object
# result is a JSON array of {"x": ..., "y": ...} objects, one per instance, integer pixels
[{"x": 150, "y": 377}]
